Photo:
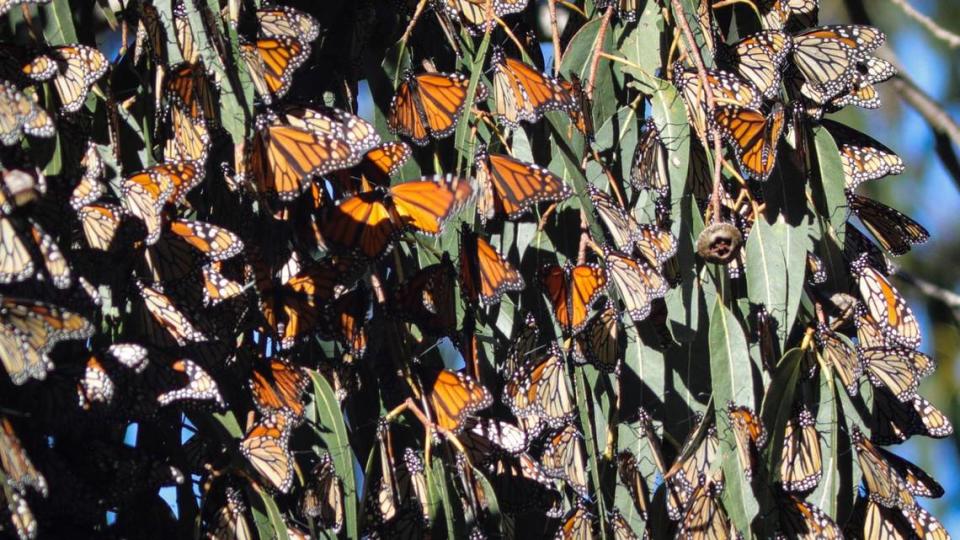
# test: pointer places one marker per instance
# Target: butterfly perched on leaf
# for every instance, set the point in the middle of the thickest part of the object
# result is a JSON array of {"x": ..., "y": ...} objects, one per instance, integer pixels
[
  {"x": 145, "y": 193},
  {"x": 648, "y": 169},
  {"x": 368, "y": 223},
  {"x": 485, "y": 275},
  {"x": 216, "y": 243},
  {"x": 696, "y": 459},
  {"x": 759, "y": 58},
  {"x": 753, "y": 135},
  {"x": 281, "y": 47},
  {"x": 637, "y": 282},
  {"x": 383, "y": 161},
  {"x": 749, "y": 434},
  {"x": 800, "y": 519},
  {"x": 6, "y": 5},
  {"x": 837, "y": 352},
  {"x": 801, "y": 463},
  {"x": 280, "y": 21},
  {"x": 826, "y": 57},
  {"x": 29, "y": 331},
  {"x": 884, "y": 484},
  {"x": 429, "y": 105},
  {"x": 896, "y": 232},
  {"x": 18, "y": 240},
  {"x": 886, "y": 306},
  {"x": 862, "y": 157},
  {"x": 277, "y": 387},
  {"x": 20, "y": 114},
  {"x": 539, "y": 390},
  {"x": 896, "y": 368},
  {"x": 572, "y": 289},
  {"x": 728, "y": 90},
  {"x": 626, "y": 10},
  {"x": 323, "y": 496},
  {"x": 576, "y": 525},
  {"x": 509, "y": 187},
  {"x": 862, "y": 91},
  {"x": 290, "y": 147},
  {"x": 563, "y": 457},
  {"x": 473, "y": 13},
  {"x": 73, "y": 68},
  {"x": 894, "y": 421},
  {"x": 216, "y": 286},
  {"x": 522, "y": 93},
  {"x": 454, "y": 397},
  {"x": 600, "y": 343},
  {"x": 631, "y": 477},
  {"x": 485, "y": 439},
  {"x": 165, "y": 313},
  {"x": 704, "y": 516},
  {"x": 581, "y": 109},
  {"x": 266, "y": 447},
  {"x": 428, "y": 298}
]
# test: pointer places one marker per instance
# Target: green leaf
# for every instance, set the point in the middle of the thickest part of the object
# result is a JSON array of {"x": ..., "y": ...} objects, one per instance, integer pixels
[
  {"x": 825, "y": 495},
  {"x": 778, "y": 406},
  {"x": 334, "y": 434},
  {"x": 732, "y": 382},
  {"x": 60, "y": 29},
  {"x": 577, "y": 59},
  {"x": 829, "y": 186},
  {"x": 266, "y": 516}
]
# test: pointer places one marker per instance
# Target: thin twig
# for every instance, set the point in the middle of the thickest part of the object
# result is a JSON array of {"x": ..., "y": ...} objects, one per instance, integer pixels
[
  {"x": 413, "y": 21},
  {"x": 597, "y": 49},
  {"x": 936, "y": 292},
  {"x": 694, "y": 53},
  {"x": 555, "y": 36},
  {"x": 952, "y": 40}
]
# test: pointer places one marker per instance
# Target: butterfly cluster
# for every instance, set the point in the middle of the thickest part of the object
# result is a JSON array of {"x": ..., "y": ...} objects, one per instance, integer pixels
[{"x": 445, "y": 318}]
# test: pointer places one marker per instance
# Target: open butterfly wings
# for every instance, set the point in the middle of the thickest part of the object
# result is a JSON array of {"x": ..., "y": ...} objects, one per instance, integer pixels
[
  {"x": 510, "y": 187},
  {"x": 429, "y": 105},
  {"x": 571, "y": 291},
  {"x": 484, "y": 274}
]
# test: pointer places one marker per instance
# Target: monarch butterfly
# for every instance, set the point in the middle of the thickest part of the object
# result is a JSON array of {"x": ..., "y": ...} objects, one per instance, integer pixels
[
  {"x": 826, "y": 56},
  {"x": 817, "y": 269},
  {"x": 171, "y": 259},
  {"x": 880, "y": 523},
  {"x": 753, "y": 136},
  {"x": 704, "y": 517},
  {"x": 727, "y": 88},
  {"x": 347, "y": 321},
  {"x": 886, "y": 306},
  {"x": 290, "y": 304},
  {"x": 801, "y": 466},
  {"x": 563, "y": 458},
  {"x": 648, "y": 170},
  {"x": 474, "y": 12},
  {"x": 510, "y": 187},
  {"x": 620, "y": 527},
  {"x": 777, "y": 13},
  {"x": 369, "y": 222},
  {"x": 17, "y": 466},
  {"x": 284, "y": 21},
  {"x": 523, "y": 93},
  {"x": 600, "y": 343},
  {"x": 277, "y": 386},
  {"x": 200, "y": 386},
  {"x": 428, "y": 105},
  {"x": 862, "y": 92},
  {"x": 29, "y": 330},
  {"x": 638, "y": 283},
  {"x": 383, "y": 161},
  {"x": 577, "y": 525},
  {"x": 636, "y": 484},
  {"x": 856, "y": 244},
  {"x": 20, "y": 187},
  {"x": 485, "y": 275},
  {"x": 400, "y": 484},
  {"x": 523, "y": 341},
  {"x": 150, "y": 36},
  {"x": 758, "y": 58},
  {"x": 323, "y": 496},
  {"x": 230, "y": 520},
  {"x": 749, "y": 434},
  {"x": 895, "y": 231},
  {"x": 5, "y": 6},
  {"x": 169, "y": 317},
  {"x": 18, "y": 112},
  {"x": 303, "y": 142},
  {"x": 918, "y": 482},
  {"x": 183, "y": 33},
  {"x": 895, "y": 422},
  {"x": 144, "y": 195},
  {"x": 186, "y": 85},
  {"x": 271, "y": 63},
  {"x": 695, "y": 460},
  {"x": 216, "y": 286},
  {"x": 626, "y": 9},
  {"x": 893, "y": 369},
  {"x": 429, "y": 300},
  {"x": 454, "y": 397},
  {"x": 130, "y": 355},
  {"x": 620, "y": 225},
  {"x": 216, "y": 243},
  {"x": 800, "y": 519},
  {"x": 89, "y": 188},
  {"x": 24, "y": 523},
  {"x": 74, "y": 68},
  {"x": 836, "y": 351},
  {"x": 265, "y": 447},
  {"x": 884, "y": 484},
  {"x": 189, "y": 140},
  {"x": 540, "y": 389},
  {"x": 15, "y": 262},
  {"x": 571, "y": 291},
  {"x": 485, "y": 438},
  {"x": 580, "y": 111},
  {"x": 862, "y": 157},
  {"x": 95, "y": 386}
]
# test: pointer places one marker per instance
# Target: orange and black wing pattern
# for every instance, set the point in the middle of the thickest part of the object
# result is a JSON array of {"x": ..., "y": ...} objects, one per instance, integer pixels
[
  {"x": 428, "y": 106},
  {"x": 571, "y": 291}
]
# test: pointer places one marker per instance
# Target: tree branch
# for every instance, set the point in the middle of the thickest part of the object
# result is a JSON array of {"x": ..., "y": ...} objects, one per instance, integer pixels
[{"x": 952, "y": 40}]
